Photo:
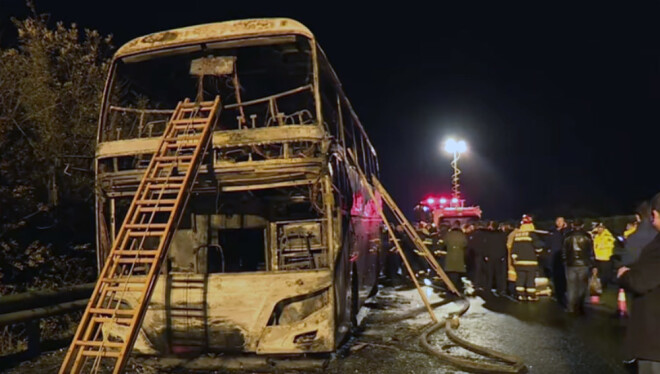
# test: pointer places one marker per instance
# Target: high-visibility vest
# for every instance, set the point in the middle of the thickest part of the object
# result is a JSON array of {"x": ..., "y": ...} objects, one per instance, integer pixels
[{"x": 603, "y": 245}]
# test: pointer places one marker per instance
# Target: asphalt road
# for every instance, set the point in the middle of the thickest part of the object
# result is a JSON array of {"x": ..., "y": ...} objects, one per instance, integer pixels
[{"x": 542, "y": 334}]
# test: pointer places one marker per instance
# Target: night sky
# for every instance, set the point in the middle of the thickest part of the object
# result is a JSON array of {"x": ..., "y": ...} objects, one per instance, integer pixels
[{"x": 559, "y": 104}]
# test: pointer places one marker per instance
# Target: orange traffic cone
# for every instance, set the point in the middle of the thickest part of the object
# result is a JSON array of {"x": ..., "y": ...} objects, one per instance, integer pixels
[{"x": 622, "y": 307}]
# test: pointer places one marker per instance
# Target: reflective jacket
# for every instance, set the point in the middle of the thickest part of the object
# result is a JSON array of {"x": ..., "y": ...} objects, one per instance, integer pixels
[
  {"x": 511, "y": 271},
  {"x": 644, "y": 234},
  {"x": 603, "y": 245},
  {"x": 525, "y": 243},
  {"x": 629, "y": 232}
]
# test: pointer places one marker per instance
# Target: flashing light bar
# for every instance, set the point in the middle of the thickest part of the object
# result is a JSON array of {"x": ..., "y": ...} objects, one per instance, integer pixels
[{"x": 441, "y": 201}]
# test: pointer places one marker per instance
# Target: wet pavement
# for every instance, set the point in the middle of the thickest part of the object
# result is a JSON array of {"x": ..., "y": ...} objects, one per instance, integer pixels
[{"x": 542, "y": 334}]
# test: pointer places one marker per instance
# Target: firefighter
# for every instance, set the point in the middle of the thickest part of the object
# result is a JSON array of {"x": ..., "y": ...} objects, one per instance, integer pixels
[
  {"x": 523, "y": 254},
  {"x": 511, "y": 271},
  {"x": 429, "y": 238},
  {"x": 414, "y": 257}
]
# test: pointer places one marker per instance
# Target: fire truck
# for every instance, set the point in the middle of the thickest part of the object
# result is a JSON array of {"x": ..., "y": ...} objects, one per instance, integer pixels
[{"x": 439, "y": 209}]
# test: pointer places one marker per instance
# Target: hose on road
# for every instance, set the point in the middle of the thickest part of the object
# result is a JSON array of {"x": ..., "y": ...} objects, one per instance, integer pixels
[{"x": 510, "y": 363}]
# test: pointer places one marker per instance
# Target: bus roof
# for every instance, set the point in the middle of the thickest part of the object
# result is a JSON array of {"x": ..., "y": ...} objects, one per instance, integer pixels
[{"x": 213, "y": 32}]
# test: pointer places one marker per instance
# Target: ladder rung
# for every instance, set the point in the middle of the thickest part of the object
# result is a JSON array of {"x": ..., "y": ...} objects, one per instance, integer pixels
[
  {"x": 165, "y": 179},
  {"x": 154, "y": 209},
  {"x": 194, "y": 107},
  {"x": 165, "y": 186},
  {"x": 112, "y": 320},
  {"x": 204, "y": 105},
  {"x": 139, "y": 234},
  {"x": 139, "y": 252},
  {"x": 124, "y": 288},
  {"x": 123, "y": 280},
  {"x": 114, "y": 354},
  {"x": 112, "y": 312},
  {"x": 125, "y": 260},
  {"x": 190, "y": 120},
  {"x": 184, "y": 138},
  {"x": 145, "y": 226},
  {"x": 157, "y": 201},
  {"x": 181, "y": 145},
  {"x": 190, "y": 126},
  {"x": 173, "y": 158},
  {"x": 84, "y": 343}
]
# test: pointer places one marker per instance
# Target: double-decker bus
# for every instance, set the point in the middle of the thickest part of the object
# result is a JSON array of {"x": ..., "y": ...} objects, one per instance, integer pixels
[{"x": 279, "y": 244}]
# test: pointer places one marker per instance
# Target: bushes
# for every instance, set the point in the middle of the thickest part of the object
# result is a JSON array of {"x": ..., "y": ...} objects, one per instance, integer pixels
[{"x": 50, "y": 91}]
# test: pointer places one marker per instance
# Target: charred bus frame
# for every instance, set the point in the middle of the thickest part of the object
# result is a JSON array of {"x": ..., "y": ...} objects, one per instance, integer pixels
[{"x": 280, "y": 245}]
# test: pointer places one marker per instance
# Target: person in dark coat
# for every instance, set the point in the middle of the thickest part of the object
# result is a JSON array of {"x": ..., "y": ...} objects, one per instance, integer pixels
[
  {"x": 642, "y": 278},
  {"x": 477, "y": 244},
  {"x": 455, "y": 243},
  {"x": 495, "y": 254},
  {"x": 556, "y": 243},
  {"x": 640, "y": 238},
  {"x": 578, "y": 255}
]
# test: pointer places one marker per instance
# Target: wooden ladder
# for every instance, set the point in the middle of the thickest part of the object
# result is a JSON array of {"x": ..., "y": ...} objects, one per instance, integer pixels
[{"x": 133, "y": 264}]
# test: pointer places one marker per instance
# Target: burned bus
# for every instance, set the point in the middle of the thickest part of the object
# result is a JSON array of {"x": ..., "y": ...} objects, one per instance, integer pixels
[{"x": 279, "y": 244}]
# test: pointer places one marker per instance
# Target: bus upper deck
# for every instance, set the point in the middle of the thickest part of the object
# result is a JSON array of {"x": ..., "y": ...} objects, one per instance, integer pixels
[{"x": 282, "y": 104}]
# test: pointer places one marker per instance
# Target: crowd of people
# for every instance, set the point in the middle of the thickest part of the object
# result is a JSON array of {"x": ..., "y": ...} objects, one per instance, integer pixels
[
  {"x": 570, "y": 262},
  {"x": 498, "y": 257}
]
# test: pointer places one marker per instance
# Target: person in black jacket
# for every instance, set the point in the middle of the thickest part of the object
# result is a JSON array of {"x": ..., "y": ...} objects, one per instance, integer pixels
[
  {"x": 578, "y": 256},
  {"x": 477, "y": 246},
  {"x": 557, "y": 270},
  {"x": 642, "y": 278},
  {"x": 495, "y": 253}
]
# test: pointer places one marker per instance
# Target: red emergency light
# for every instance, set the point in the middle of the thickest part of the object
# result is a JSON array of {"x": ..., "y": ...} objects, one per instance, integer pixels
[{"x": 432, "y": 201}]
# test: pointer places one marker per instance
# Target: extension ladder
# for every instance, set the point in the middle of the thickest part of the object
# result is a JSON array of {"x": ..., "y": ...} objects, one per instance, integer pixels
[
  {"x": 135, "y": 260},
  {"x": 409, "y": 230}
]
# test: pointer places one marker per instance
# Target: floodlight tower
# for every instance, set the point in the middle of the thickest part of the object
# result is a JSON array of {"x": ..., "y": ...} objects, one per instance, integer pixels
[{"x": 455, "y": 148}]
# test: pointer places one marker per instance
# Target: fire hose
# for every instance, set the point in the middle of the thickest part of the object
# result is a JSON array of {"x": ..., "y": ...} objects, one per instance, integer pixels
[{"x": 510, "y": 363}]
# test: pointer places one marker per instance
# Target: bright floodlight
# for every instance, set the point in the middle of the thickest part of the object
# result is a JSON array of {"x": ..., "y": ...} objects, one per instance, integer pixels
[
  {"x": 454, "y": 146},
  {"x": 461, "y": 146}
]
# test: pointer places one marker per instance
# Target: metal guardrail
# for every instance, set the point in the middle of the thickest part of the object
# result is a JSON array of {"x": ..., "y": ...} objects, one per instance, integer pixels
[{"x": 30, "y": 307}]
